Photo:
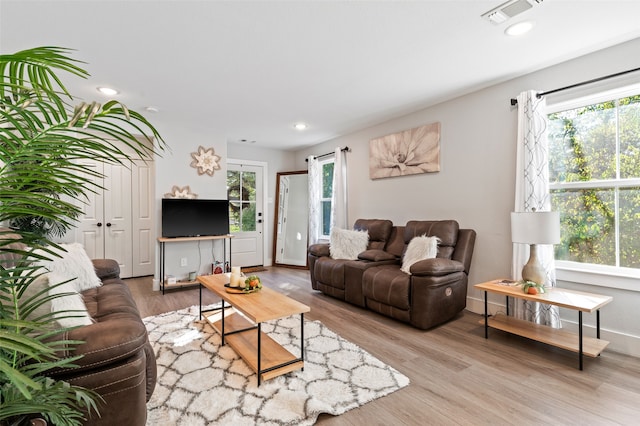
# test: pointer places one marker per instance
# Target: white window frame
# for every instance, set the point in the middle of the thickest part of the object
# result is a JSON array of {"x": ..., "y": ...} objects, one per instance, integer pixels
[
  {"x": 586, "y": 273},
  {"x": 322, "y": 163}
]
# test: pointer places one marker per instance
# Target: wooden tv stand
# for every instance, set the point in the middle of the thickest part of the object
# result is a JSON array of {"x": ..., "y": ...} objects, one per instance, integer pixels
[{"x": 575, "y": 300}]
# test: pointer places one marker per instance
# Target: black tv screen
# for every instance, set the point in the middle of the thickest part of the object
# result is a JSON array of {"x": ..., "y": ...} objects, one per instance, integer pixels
[{"x": 183, "y": 217}]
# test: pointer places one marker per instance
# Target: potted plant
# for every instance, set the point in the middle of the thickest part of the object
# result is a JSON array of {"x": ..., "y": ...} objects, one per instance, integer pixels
[{"x": 42, "y": 137}]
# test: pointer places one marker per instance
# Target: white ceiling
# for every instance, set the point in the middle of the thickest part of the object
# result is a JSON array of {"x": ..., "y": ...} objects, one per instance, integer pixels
[{"x": 250, "y": 70}]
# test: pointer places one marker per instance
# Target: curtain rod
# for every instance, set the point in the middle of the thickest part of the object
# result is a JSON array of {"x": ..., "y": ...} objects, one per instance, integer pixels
[
  {"x": 514, "y": 101},
  {"x": 346, "y": 148}
]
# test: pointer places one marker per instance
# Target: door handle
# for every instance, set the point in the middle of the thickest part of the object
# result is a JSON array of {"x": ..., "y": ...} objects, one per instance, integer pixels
[
  {"x": 99, "y": 224},
  {"x": 109, "y": 224},
  {"x": 259, "y": 220}
]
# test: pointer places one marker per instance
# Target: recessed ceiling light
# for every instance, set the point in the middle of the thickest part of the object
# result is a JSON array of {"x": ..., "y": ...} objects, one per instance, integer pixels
[
  {"x": 519, "y": 29},
  {"x": 300, "y": 126},
  {"x": 107, "y": 91},
  {"x": 152, "y": 109}
]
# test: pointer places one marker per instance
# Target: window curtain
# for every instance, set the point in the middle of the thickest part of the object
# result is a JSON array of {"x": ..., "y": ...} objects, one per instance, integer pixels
[
  {"x": 339, "y": 196},
  {"x": 532, "y": 192},
  {"x": 315, "y": 183}
]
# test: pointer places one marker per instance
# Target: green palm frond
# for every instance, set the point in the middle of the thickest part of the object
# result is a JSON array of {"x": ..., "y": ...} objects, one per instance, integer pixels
[{"x": 46, "y": 139}]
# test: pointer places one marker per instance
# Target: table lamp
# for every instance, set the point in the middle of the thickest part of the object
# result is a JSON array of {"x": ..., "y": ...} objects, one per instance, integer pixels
[{"x": 535, "y": 228}]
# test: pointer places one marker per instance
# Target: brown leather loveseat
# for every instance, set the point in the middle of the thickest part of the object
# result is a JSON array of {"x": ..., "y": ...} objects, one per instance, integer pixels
[
  {"x": 118, "y": 361},
  {"x": 434, "y": 292}
]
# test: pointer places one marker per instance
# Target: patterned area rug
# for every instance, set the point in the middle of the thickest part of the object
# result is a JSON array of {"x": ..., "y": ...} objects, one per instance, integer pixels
[{"x": 203, "y": 383}]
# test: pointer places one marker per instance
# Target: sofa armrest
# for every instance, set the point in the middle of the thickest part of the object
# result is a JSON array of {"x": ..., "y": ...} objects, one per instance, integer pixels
[
  {"x": 106, "y": 268},
  {"x": 436, "y": 267},
  {"x": 319, "y": 250},
  {"x": 104, "y": 343}
]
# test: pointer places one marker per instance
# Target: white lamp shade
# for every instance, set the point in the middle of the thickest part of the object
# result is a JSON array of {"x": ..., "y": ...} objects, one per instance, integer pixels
[{"x": 535, "y": 227}]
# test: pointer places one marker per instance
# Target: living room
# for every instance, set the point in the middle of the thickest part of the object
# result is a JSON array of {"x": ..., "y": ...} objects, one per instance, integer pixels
[{"x": 475, "y": 184}]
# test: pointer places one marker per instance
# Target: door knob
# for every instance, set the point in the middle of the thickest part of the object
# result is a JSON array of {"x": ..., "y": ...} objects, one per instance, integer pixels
[
  {"x": 109, "y": 224},
  {"x": 99, "y": 224}
]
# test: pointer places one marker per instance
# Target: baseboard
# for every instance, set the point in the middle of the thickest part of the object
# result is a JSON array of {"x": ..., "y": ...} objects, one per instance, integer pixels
[{"x": 619, "y": 342}]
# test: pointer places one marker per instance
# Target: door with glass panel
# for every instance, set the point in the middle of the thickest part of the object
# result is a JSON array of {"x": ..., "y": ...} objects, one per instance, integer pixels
[{"x": 246, "y": 221}]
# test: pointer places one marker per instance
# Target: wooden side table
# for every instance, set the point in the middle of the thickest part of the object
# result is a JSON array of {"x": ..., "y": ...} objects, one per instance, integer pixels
[{"x": 575, "y": 300}]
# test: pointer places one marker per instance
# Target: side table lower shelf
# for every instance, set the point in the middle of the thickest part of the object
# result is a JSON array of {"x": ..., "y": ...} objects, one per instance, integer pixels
[{"x": 552, "y": 336}]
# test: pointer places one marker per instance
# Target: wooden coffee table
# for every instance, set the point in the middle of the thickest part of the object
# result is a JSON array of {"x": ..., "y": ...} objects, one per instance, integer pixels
[{"x": 239, "y": 324}]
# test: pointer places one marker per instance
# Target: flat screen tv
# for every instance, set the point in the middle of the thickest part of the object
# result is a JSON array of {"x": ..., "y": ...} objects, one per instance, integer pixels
[{"x": 183, "y": 217}]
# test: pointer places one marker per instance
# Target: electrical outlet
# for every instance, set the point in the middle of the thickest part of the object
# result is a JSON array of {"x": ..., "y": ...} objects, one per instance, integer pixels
[{"x": 183, "y": 261}]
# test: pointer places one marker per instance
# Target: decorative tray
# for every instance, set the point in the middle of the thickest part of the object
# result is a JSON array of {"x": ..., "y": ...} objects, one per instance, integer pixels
[{"x": 239, "y": 290}]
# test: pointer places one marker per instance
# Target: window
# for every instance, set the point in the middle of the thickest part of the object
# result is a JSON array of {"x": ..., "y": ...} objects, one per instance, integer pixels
[
  {"x": 594, "y": 176},
  {"x": 326, "y": 194},
  {"x": 241, "y": 192}
]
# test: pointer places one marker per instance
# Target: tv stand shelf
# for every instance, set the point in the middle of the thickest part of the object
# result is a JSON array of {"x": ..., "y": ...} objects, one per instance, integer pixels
[{"x": 164, "y": 240}]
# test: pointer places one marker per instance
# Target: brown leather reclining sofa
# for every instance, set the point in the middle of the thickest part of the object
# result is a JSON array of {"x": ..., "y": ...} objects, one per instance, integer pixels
[
  {"x": 434, "y": 292},
  {"x": 118, "y": 361}
]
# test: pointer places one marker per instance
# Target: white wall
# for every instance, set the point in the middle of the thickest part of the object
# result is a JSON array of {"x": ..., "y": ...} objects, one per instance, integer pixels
[
  {"x": 173, "y": 168},
  {"x": 476, "y": 183}
]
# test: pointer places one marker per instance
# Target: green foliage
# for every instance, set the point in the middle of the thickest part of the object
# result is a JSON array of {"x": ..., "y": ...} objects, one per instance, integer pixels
[
  {"x": 241, "y": 192},
  {"x": 327, "y": 193},
  {"x": 599, "y": 143},
  {"x": 43, "y": 139}
]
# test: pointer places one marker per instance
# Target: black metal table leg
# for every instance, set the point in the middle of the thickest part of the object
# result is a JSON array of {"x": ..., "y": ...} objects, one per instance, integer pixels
[
  {"x": 580, "y": 337},
  {"x": 259, "y": 353},
  {"x": 486, "y": 316},
  {"x": 598, "y": 323},
  {"x": 507, "y": 304},
  {"x": 302, "y": 339},
  {"x": 200, "y": 304},
  {"x": 161, "y": 277},
  {"x": 222, "y": 324}
]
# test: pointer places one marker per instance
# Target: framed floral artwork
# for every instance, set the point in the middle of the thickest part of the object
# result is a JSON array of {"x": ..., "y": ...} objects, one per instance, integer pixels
[{"x": 408, "y": 152}]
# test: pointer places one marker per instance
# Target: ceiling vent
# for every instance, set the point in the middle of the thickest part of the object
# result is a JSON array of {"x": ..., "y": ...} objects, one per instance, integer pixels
[{"x": 508, "y": 10}]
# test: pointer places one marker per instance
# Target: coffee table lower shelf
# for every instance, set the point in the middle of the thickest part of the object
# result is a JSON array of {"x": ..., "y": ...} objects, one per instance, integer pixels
[
  {"x": 275, "y": 360},
  {"x": 544, "y": 334}
]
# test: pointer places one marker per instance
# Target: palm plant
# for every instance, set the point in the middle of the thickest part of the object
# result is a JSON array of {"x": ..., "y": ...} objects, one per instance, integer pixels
[{"x": 43, "y": 138}]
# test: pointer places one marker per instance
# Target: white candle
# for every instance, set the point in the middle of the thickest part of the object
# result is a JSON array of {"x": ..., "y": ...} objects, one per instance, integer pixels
[
  {"x": 235, "y": 280},
  {"x": 235, "y": 270}
]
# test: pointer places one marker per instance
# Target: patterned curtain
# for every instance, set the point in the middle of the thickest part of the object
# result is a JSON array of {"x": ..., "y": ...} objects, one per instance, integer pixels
[
  {"x": 339, "y": 196},
  {"x": 532, "y": 193},
  {"x": 315, "y": 182}
]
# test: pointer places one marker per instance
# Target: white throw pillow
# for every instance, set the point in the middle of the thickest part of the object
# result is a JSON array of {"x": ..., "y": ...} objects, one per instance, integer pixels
[
  {"x": 70, "y": 302},
  {"x": 36, "y": 286},
  {"x": 74, "y": 263},
  {"x": 346, "y": 244},
  {"x": 419, "y": 248}
]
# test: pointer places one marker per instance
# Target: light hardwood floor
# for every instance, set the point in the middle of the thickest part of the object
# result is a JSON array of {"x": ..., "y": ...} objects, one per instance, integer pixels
[{"x": 457, "y": 376}]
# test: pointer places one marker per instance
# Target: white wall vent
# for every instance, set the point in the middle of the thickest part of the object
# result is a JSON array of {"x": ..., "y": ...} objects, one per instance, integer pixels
[{"x": 508, "y": 10}]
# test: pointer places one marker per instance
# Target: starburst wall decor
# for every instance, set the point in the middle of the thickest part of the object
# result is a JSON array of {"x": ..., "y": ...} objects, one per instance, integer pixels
[
  {"x": 205, "y": 161},
  {"x": 178, "y": 192}
]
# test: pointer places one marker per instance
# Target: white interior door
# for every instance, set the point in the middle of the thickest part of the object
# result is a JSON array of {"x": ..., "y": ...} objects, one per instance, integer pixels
[
  {"x": 117, "y": 217},
  {"x": 90, "y": 225},
  {"x": 143, "y": 231},
  {"x": 245, "y": 193},
  {"x": 117, "y": 222}
]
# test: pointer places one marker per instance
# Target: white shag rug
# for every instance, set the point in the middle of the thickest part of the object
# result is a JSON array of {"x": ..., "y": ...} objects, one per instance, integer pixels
[{"x": 203, "y": 383}]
